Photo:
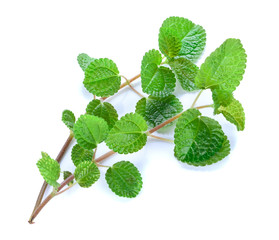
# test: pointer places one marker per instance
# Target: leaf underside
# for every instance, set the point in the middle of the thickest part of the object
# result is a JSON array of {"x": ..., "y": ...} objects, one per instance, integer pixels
[
  {"x": 86, "y": 174},
  {"x": 84, "y": 60},
  {"x": 68, "y": 118}
]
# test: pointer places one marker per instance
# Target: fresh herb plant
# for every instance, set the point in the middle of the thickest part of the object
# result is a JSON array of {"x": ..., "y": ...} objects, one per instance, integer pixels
[{"x": 198, "y": 140}]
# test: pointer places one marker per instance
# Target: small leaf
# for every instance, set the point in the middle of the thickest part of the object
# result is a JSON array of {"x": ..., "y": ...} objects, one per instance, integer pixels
[
  {"x": 234, "y": 113},
  {"x": 103, "y": 110},
  {"x": 90, "y": 130},
  {"x": 86, "y": 174},
  {"x": 69, "y": 119},
  {"x": 224, "y": 68},
  {"x": 102, "y": 77},
  {"x": 184, "y": 33},
  {"x": 156, "y": 81},
  {"x": 197, "y": 138},
  {"x": 49, "y": 169},
  {"x": 185, "y": 72},
  {"x": 84, "y": 60},
  {"x": 157, "y": 110},
  {"x": 124, "y": 179},
  {"x": 79, "y": 154},
  {"x": 128, "y": 134},
  {"x": 67, "y": 174},
  {"x": 221, "y": 98}
]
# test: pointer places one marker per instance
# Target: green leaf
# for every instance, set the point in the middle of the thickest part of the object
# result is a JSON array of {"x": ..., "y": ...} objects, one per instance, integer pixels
[
  {"x": 102, "y": 77},
  {"x": 224, "y": 68},
  {"x": 49, "y": 169},
  {"x": 124, "y": 179},
  {"x": 67, "y": 174},
  {"x": 84, "y": 60},
  {"x": 90, "y": 130},
  {"x": 103, "y": 110},
  {"x": 69, "y": 119},
  {"x": 234, "y": 113},
  {"x": 156, "y": 80},
  {"x": 169, "y": 44},
  {"x": 79, "y": 154},
  {"x": 221, "y": 154},
  {"x": 128, "y": 134},
  {"x": 221, "y": 98},
  {"x": 185, "y": 72},
  {"x": 86, "y": 174},
  {"x": 157, "y": 110},
  {"x": 191, "y": 37},
  {"x": 197, "y": 138}
]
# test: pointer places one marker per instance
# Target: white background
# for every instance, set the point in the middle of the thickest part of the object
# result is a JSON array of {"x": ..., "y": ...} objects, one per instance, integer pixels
[{"x": 236, "y": 198}]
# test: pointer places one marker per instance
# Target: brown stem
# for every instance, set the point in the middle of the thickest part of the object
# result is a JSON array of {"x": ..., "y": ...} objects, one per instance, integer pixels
[
  {"x": 104, "y": 156},
  {"x": 58, "y": 159}
]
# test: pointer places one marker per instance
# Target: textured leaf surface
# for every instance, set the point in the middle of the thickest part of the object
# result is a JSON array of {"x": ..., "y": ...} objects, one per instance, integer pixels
[
  {"x": 102, "y": 77},
  {"x": 128, "y": 134},
  {"x": 157, "y": 110},
  {"x": 67, "y": 174},
  {"x": 169, "y": 44},
  {"x": 90, "y": 130},
  {"x": 68, "y": 118},
  {"x": 192, "y": 38},
  {"x": 103, "y": 110},
  {"x": 49, "y": 169},
  {"x": 197, "y": 138},
  {"x": 124, "y": 179},
  {"x": 234, "y": 113},
  {"x": 224, "y": 68},
  {"x": 84, "y": 60},
  {"x": 86, "y": 174},
  {"x": 185, "y": 72},
  {"x": 79, "y": 154}
]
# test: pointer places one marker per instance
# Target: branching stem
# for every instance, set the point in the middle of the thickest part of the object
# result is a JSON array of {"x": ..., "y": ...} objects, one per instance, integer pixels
[
  {"x": 161, "y": 138},
  {"x": 196, "y": 99}
]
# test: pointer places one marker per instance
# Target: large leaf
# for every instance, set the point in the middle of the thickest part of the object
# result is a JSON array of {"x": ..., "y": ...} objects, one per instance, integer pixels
[
  {"x": 90, "y": 130},
  {"x": 86, "y": 174},
  {"x": 185, "y": 72},
  {"x": 157, "y": 110},
  {"x": 102, "y": 77},
  {"x": 49, "y": 169},
  {"x": 103, "y": 110},
  {"x": 124, "y": 179},
  {"x": 224, "y": 68},
  {"x": 128, "y": 134},
  {"x": 180, "y": 33},
  {"x": 197, "y": 138},
  {"x": 156, "y": 80}
]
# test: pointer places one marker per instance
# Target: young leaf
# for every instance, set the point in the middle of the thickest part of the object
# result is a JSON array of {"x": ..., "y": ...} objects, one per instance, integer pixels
[
  {"x": 224, "y": 68},
  {"x": 86, "y": 174},
  {"x": 67, "y": 174},
  {"x": 221, "y": 98},
  {"x": 192, "y": 38},
  {"x": 49, "y": 169},
  {"x": 185, "y": 72},
  {"x": 234, "y": 113},
  {"x": 90, "y": 130},
  {"x": 84, "y": 60},
  {"x": 103, "y": 110},
  {"x": 124, "y": 179},
  {"x": 128, "y": 134},
  {"x": 69, "y": 119},
  {"x": 157, "y": 110},
  {"x": 79, "y": 154},
  {"x": 156, "y": 80},
  {"x": 197, "y": 138},
  {"x": 102, "y": 77}
]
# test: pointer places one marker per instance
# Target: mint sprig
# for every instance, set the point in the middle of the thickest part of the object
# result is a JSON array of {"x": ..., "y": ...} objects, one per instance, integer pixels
[{"x": 198, "y": 140}]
